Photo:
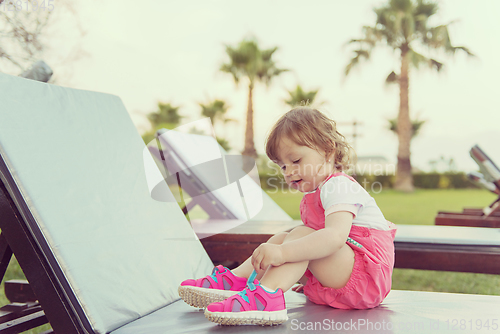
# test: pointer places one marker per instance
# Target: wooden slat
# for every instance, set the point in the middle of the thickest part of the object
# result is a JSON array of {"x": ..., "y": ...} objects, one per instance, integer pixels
[
  {"x": 449, "y": 219},
  {"x": 5, "y": 255},
  {"x": 476, "y": 212},
  {"x": 19, "y": 291},
  {"x": 470, "y": 212},
  {"x": 15, "y": 310},
  {"x": 459, "y": 258},
  {"x": 24, "y": 323}
]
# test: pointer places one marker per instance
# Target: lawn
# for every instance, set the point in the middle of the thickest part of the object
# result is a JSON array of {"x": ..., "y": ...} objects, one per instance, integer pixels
[
  {"x": 420, "y": 208},
  {"x": 417, "y": 208}
]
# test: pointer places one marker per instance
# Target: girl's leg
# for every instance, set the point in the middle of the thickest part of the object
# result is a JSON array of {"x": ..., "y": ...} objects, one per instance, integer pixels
[
  {"x": 332, "y": 271},
  {"x": 289, "y": 273},
  {"x": 245, "y": 269},
  {"x": 335, "y": 270}
]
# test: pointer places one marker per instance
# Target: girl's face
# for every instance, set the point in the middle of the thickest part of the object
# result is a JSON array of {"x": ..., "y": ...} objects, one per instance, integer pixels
[{"x": 303, "y": 167}]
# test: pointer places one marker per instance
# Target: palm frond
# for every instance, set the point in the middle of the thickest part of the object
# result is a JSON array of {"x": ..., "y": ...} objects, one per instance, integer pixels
[
  {"x": 389, "y": 25},
  {"x": 166, "y": 113},
  {"x": 215, "y": 109},
  {"x": 299, "y": 97},
  {"x": 268, "y": 53},
  {"x": 392, "y": 78},
  {"x": 438, "y": 38},
  {"x": 426, "y": 8},
  {"x": 228, "y": 68},
  {"x": 355, "y": 41},
  {"x": 416, "y": 126},
  {"x": 408, "y": 27},
  {"x": 436, "y": 64},
  {"x": 355, "y": 60},
  {"x": 227, "y": 120},
  {"x": 401, "y": 5},
  {"x": 465, "y": 49},
  {"x": 417, "y": 59},
  {"x": 248, "y": 60}
]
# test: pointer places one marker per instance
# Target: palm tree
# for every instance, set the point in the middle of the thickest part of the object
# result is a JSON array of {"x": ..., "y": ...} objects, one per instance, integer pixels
[
  {"x": 166, "y": 113},
  {"x": 167, "y": 116},
  {"x": 248, "y": 60},
  {"x": 403, "y": 26},
  {"x": 216, "y": 110},
  {"x": 299, "y": 97}
]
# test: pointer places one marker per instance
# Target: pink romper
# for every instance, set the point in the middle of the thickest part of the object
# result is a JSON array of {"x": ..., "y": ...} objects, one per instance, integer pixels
[{"x": 371, "y": 276}]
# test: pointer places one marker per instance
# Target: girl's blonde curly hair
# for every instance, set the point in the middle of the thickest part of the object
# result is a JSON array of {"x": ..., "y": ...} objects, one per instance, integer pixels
[{"x": 309, "y": 127}]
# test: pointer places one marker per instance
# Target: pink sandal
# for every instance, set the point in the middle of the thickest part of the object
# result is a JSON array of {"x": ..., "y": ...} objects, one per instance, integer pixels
[
  {"x": 221, "y": 284},
  {"x": 253, "y": 305}
]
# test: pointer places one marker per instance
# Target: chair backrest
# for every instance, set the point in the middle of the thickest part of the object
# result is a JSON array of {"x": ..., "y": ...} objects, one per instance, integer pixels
[
  {"x": 207, "y": 171},
  {"x": 490, "y": 171},
  {"x": 72, "y": 161}
]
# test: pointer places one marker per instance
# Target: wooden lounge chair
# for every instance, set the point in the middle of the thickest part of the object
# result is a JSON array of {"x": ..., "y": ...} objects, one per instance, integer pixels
[
  {"x": 102, "y": 256},
  {"x": 489, "y": 179}
]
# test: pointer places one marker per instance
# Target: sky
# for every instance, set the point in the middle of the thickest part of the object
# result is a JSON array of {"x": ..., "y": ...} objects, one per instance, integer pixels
[{"x": 171, "y": 51}]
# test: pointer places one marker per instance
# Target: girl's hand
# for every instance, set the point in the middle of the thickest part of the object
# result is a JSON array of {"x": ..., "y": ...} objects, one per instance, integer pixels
[
  {"x": 266, "y": 255},
  {"x": 298, "y": 288}
]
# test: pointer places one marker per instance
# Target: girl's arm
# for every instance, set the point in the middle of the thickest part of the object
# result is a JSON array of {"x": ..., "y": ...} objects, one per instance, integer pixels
[
  {"x": 322, "y": 242},
  {"x": 316, "y": 245}
]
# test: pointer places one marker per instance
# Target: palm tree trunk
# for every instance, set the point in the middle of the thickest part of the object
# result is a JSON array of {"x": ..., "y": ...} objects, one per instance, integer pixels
[
  {"x": 404, "y": 177},
  {"x": 249, "y": 149}
]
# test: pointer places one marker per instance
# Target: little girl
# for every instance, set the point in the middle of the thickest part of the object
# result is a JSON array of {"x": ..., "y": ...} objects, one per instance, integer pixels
[{"x": 343, "y": 255}]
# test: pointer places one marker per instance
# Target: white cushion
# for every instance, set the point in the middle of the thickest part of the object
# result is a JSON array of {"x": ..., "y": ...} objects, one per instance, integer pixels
[{"x": 77, "y": 160}]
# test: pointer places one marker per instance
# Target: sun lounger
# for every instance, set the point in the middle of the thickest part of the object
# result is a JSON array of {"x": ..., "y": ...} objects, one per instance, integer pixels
[
  {"x": 102, "y": 256},
  {"x": 76, "y": 210},
  {"x": 489, "y": 178},
  {"x": 224, "y": 186}
]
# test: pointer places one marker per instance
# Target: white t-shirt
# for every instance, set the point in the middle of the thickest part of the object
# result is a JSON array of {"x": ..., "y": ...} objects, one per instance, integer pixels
[{"x": 341, "y": 194}]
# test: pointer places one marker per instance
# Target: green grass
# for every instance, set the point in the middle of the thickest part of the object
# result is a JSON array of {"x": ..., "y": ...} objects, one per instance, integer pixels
[{"x": 420, "y": 208}]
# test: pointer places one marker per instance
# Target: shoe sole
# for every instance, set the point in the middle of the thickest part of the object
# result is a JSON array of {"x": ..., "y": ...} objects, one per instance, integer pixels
[
  {"x": 202, "y": 297},
  {"x": 262, "y": 318}
]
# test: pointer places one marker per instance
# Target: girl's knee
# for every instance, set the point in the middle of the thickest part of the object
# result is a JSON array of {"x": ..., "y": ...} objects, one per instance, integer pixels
[
  {"x": 299, "y": 232},
  {"x": 277, "y": 238}
]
